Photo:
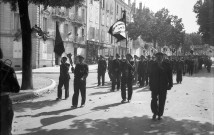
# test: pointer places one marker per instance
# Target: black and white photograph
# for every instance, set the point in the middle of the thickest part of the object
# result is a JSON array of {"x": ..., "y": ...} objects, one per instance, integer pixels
[{"x": 107, "y": 67}]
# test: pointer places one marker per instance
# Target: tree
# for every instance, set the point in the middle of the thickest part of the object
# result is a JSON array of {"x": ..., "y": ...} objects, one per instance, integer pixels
[
  {"x": 191, "y": 39},
  {"x": 202, "y": 11},
  {"x": 22, "y": 5}
]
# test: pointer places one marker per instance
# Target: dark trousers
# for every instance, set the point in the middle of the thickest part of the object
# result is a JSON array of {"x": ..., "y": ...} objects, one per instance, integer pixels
[
  {"x": 101, "y": 75},
  {"x": 116, "y": 80},
  {"x": 142, "y": 79},
  {"x": 65, "y": 82},
  {"x": 79, "y": 86},
  {"x": 179, "y": 76},
  {"x": 6, "y": 115},
  {"x": 110, "y": 75},
  {"x": 147, "y": 78},
  {"x": 158, "y": 102},
  {"x": 191, "y": 68},
  {"x": 126, "y": 82}
]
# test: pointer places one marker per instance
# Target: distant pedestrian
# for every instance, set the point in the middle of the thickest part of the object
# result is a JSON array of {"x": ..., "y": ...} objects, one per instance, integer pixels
[
  {"x": 110, "y": 60},
  {"x": 160, "y": 81},
  {"x": 116, "y": 71},
  {"x": 127, "y": 68},
  {"x": 64, "y": 78},
  {"x": 179, "y": 70},
  {"x": 8, "y": 84},
  {"x": 80, "y": 75},
  {"x": 135, "y": 81},
  {"x": 102, "y": 66},
  {"x": 142, "y": 71}
]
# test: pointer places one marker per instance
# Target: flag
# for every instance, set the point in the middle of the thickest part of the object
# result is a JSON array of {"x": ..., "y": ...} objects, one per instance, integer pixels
[
  {"x": 59, "y": 47},
  {"x": 118, "y": 29}
]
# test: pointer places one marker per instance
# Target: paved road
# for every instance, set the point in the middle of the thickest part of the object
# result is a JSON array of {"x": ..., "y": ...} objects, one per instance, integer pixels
[{"x": 189, "y": 110}]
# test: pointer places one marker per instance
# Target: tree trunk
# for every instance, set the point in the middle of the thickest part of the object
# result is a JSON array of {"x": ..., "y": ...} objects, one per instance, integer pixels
[{"x": 27, "y": 82}]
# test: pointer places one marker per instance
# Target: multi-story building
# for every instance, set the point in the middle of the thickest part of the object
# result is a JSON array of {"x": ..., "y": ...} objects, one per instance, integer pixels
[
  {"x": 120, "y": 6},
  {"x": 107, "y": 19},
  {"x": 93, "y": 31},
  {"x": 72, "y": 26}
]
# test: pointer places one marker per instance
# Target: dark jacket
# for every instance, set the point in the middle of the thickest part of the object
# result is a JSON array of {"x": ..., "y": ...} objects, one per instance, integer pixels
[
  {"x": 142, "y": 67},
  {"x": 80, "y": 71},
  {"x": 64, "y": 68},
  {"x": 102, "y": 65},
  {"x": 127, "y": 69},
  {"x": 116, "y": 66},
  {"x": 160, "y": 77},
  {"x": 8, "y": 80}
]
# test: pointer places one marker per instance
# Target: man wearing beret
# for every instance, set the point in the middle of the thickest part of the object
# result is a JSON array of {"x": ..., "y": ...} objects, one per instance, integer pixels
[
  {"x": 142, "y": 71},
  {"x": 102, "y": 65},
  {"x": 160, "y": 81},
  {"x": 80, "y": 75},
  {"x": 127, "y": 69},
  {"x": 116, "y": 71}
]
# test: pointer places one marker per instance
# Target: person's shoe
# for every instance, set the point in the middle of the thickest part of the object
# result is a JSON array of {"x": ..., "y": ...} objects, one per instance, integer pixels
[
  {"x": 82, "y": 105},
  {"x": 159, "y": 118},
  {"x": 58, "y": 99},
  {"x": 73, "y": 107},
  {"x": 98, "y": 85},
  {"x": 129, "y": 101},
  {"x": 154, "y": 117},
  {"x": 123, "y": 101}
]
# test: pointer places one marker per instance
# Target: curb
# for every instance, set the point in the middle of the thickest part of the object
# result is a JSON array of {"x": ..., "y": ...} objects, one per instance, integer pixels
[{"x": 34, "y": 93}]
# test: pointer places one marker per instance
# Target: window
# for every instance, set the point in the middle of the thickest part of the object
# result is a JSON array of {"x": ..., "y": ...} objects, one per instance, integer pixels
[
  {"x": 44, "y": 51},
  {"x": 17, "y": 49},
  {"x": 103, "y": 4},
  {"x": 66, "y": 29},
  {"x": 91, "y": 1},
  {"x": 117, "y": 9},
  {"x": 83, "y": 15},
  {"x": 103, "y": 21},
  {"x": 16, "y": 21},
  {"x": 45, "y": 24},
  {"x": 67, "y": 11},
  {"x": 83, "y": 32}
]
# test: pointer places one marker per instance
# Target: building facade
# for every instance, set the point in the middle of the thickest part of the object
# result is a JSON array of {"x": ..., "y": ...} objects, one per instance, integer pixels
[{"x": 72, "y": 27}]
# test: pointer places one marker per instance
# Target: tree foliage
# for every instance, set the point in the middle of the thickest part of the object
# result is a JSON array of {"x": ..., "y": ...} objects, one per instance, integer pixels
[
  {"x": 202, "y": 11},
  {"x": 22, "y": 6},
  {"x": 159, "y": 27},
  {"x": 191, "y": 39}
]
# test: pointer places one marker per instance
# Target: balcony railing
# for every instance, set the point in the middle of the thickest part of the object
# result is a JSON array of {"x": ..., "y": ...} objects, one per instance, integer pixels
[
  {"x": 77, "y": 20},
  {"x": 78, "y": 39},
  {"x": 58, "y": 14}
]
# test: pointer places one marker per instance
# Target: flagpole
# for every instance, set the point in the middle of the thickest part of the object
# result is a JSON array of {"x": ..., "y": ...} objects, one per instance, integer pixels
[{"x": 124, "y": 15}]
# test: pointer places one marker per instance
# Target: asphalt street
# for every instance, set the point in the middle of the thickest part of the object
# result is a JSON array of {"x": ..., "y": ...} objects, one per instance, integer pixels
[{"x": 189, "y": 110}]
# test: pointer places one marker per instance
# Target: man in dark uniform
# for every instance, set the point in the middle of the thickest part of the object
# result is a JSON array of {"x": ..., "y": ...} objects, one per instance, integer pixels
[
  {"x": 9, "y": 84},
  {"x": 160, "y": 81},
  {"x": 110, "y": 60},
  {"x": 135, "y": 81},
  {"x": 148, "y": 67},
  {"x": 64, "y": 78},
  {"x": 80, "y": 75},
  {"x": 142, "y": 71},
  {"x": 179, "y": 70},
  {"x": 127, "y": 69},
  {"x": 102, "y": 65},
  {"x": 116, "y": 71}
]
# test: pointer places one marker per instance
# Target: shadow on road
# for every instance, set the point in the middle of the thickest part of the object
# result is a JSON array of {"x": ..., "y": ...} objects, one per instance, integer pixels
[
  {"x": 203, "y": 73},
  {"x": 144, "y": 89},
  {"x": 124, "y": 126},
  {"x": 106, "y": 106},
  {"x": 33, "y": 105},
  {"x": 57, "y": 112}
]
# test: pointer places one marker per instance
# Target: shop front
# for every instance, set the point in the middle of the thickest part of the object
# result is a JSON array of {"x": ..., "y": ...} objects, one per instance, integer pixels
[{"x": 92, "y": 52}]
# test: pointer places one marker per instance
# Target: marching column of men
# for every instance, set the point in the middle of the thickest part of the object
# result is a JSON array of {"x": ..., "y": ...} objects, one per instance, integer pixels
[{"x": 123, "y": 73}]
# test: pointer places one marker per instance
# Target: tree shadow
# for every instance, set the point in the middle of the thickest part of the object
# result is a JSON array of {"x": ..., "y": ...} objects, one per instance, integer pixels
[
  {"x": 100, "y": 93},
  {"x": 106, "y": 106},
  {"x": 126, "y": 126},
  {"x": 144, "y": 89},
  {"x": 57, "y": 112},
  {"x": 33, "y": 105}
]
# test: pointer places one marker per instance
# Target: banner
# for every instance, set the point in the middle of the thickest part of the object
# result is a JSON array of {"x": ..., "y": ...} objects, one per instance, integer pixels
[{"x": 59, "y": 47}]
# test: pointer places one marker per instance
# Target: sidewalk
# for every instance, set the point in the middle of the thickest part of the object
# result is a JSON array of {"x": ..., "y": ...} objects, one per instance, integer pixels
[
  {"x": 56, "y": 69},
  {"x": 27, "y": 94}
]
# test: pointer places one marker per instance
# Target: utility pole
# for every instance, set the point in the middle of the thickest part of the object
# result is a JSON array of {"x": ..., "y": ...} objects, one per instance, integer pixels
[{"x": 124, "y": 17}]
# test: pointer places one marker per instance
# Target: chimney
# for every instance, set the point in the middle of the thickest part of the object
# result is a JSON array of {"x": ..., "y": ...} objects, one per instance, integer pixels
[
  {"x": 129, "y": 2},
  {"x": 140, "y": 5}
]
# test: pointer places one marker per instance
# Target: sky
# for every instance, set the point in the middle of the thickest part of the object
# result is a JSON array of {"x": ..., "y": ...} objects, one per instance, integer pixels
[{"x": 182, "y": 8}]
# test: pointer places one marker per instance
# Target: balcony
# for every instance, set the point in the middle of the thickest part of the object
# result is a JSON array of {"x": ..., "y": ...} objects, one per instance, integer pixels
[
  {"x": 78, "y": 39},
  {"x": 59, "y": 15},
  {"x": 77, "y": 20}
]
